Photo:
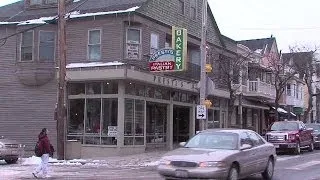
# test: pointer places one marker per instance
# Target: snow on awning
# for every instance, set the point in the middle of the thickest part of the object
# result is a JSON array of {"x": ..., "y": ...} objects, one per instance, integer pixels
[
  {"x": 71, "y": 15},
  {"x": 293, "y": 114},
  {"x": 93, "y": 64},
  {"x": 280, "y": 110}
]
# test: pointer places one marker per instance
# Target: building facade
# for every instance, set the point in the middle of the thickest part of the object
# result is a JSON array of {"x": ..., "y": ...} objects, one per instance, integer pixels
[{"x": 114, "y": 104}]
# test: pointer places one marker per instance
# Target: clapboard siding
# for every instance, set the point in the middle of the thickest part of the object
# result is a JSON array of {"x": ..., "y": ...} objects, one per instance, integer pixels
[{"x": 24, "y": 110}]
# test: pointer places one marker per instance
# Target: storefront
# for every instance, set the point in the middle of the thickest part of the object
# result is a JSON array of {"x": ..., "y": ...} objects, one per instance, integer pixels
[{"x": 130, "y": 115}]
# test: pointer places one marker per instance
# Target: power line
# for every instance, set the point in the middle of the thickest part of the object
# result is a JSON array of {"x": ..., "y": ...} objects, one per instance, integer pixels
[{"x": 47, "y": 22}]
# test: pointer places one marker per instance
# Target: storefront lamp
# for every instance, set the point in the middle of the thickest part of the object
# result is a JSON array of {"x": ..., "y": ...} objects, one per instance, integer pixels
[
  {"x": 208, "y": 68},
  {"x": 207, "y": 103}
]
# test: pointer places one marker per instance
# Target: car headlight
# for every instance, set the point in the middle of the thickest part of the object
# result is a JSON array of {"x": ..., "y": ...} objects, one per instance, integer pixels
[
  {"x": 164, "y": 162},
  {"x": 1, "y": 145},
  {"x": 212, "y": 164}
]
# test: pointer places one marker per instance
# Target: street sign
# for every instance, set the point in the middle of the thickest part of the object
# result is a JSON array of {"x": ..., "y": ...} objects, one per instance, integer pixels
[{"x": 201, "y": 112}]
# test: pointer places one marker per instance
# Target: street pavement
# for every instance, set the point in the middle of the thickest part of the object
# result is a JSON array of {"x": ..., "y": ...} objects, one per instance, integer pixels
[{"x": 289, "y": 167}]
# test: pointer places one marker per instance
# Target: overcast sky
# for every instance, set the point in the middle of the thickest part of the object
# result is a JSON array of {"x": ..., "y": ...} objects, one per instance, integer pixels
[{"x": 290, "y": 21}]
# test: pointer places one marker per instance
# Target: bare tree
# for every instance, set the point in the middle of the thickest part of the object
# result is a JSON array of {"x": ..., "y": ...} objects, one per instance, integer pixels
[
  {"x": 228, "y": 74},
  {"x": 282, "y": 74},
  {"x": 305, "y": 63}
]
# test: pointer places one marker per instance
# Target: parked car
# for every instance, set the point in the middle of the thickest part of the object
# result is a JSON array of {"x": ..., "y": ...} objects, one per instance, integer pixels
[
  {"x": 316, "y": 133},
  {"x": 290, "y": 135},
  {"x": 10, "y": 150},
  {"x": 220, "y": 154}
]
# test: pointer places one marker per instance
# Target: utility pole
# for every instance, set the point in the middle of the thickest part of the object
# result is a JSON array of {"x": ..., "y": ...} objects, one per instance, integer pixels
[
  {"x": 203, "y": 76},
  {"x": 61, "y": 108}
]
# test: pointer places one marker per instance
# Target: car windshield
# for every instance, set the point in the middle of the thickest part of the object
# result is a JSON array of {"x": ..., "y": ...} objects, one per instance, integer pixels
[
  {"x": 315, "y": 127},
  {"x": 214, "y": 141},
  {"x": 285, "y": 126}
]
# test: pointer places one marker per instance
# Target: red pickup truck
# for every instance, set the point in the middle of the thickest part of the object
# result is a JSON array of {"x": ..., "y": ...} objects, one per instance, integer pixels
[{"x": 290, "y": 135}]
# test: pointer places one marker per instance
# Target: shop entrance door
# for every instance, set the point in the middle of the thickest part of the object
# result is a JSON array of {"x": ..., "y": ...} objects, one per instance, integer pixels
[
  {"x": 156, "y": 125},
  {"x": 181, "y": 124}
]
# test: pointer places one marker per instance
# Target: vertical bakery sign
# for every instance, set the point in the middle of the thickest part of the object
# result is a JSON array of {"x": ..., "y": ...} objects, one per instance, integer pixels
[{"x": 171, "y": 59}]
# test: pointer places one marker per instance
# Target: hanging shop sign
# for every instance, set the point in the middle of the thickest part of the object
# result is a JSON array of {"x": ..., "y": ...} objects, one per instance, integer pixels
[{"x": 171, "y": 59}]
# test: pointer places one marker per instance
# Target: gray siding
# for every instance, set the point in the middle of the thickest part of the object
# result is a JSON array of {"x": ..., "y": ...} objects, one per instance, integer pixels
[
  {"x": 167, "y": 12},
  {"x": 24, "y": 110}
]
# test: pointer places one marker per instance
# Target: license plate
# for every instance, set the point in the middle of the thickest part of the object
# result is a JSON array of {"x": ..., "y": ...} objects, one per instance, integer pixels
[
  {"x": 181, "y": 173},
  {"x": 276, "y": 146},
  {"x": 14, "y": 152}
]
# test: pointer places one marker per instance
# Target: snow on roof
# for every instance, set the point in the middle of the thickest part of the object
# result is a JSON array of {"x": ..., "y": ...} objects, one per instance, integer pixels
[
  {"x": 93, "y": 64},
  {"x": 75, "y": 14},
  {"x": 36, "y": 21},
  {"x": 103, "y": 13}
]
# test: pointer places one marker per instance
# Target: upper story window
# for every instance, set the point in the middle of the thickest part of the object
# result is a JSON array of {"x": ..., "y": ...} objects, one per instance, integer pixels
[
  {"x": 154, "y": 42},
  {"x": 193, "y": 9},
  {"x": 288, "y": 90},
  {"x": 94, "y": 44},
  {"x": 46, "y": 46},
  {"x": 133, "y": 42},
  {"x": 42, "y": 2},
  {"x": 181, "y": 6},
  {"x": 35, "y": 2},
  {"x": 195, "y": 56},
  {"x": 26, "y": 46}
]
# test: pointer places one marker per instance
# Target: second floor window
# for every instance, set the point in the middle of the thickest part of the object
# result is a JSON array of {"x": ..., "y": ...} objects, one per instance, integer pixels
[
  {"x": 154, "y": 43},
  {"x": 193, "y": 9},
  {"x": 94, "y": 45},
  {"x": 288, "y": 89},
  {"x": 46, "y": 46},
  {"x": 181, "y": 6},
  {"x": 27, "y": 46},
  {"x": 133, "y": 43}
]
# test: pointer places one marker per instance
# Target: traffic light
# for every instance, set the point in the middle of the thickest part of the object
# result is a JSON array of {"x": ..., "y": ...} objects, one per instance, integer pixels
[
  {"x": 207, "y": 103},
  {"x": 208, "y": 68}
]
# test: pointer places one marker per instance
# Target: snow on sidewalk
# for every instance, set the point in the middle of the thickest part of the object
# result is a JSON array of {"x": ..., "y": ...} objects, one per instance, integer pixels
[{"x": 148, "y": 159}]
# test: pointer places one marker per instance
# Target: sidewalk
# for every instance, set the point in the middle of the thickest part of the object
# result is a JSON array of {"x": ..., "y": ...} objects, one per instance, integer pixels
[{"x": 147, "y": 159}]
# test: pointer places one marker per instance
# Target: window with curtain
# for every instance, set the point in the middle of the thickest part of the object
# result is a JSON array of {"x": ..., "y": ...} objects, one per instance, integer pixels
[
  {"x": 154, "y": 43},
  {"x": 94, "y": 45}
]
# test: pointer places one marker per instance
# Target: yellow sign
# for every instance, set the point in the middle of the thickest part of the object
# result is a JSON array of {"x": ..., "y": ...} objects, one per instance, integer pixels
[
  {"x": 207, "y": 103},
  {"x": 208, "y": 68}
]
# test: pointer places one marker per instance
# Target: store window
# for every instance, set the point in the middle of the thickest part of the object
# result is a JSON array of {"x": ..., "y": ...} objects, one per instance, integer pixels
[
  {"x": 77, "y": 88},
  {"x": 93, "y": 88},
  {"x": 156, "y": 123},
  {"x": 92, "y": 121},
  {"x": 134, "y": 122},
  {"x": 109, "y": 121},
  {"x": 133, "y": 43},
  {"x": 110, "y": 87},
  {"x": 76, "y": 119},
  {"x": 135, "y": 89}
]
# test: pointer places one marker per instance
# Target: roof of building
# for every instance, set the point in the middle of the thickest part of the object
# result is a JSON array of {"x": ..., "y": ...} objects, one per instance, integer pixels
[
  {"x": 17, "y": 12},
  {"x": 259, "y": 45}
]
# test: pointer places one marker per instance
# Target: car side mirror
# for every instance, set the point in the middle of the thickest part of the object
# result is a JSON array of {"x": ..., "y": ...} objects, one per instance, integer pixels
[
  {"x": 245, "y": 147},
  {"x": 182, "y": 144}
]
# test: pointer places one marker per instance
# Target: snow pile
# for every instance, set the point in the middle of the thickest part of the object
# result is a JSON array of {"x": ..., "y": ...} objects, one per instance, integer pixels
[
  {"x": 154, "y": 163},
  {"x": 104, "y": 13},
  {"x": 35, "y": 160}
]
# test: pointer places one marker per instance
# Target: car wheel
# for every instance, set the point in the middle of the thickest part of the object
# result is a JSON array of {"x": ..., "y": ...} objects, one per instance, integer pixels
[
  {"x": 297, "y": 150},
  {"x": 268, "y": 172},
  {"x": 311, "y": 147},
  {"x": 233, "y": 173},
  {"x": 11, "y": 161}
]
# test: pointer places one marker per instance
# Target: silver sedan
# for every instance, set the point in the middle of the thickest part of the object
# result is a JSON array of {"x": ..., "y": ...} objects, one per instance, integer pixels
[{"x": 220, "y": 154}]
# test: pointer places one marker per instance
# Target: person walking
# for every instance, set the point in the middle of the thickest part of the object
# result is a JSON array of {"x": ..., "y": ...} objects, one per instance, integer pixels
[{"x": 46, "y": 150}]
